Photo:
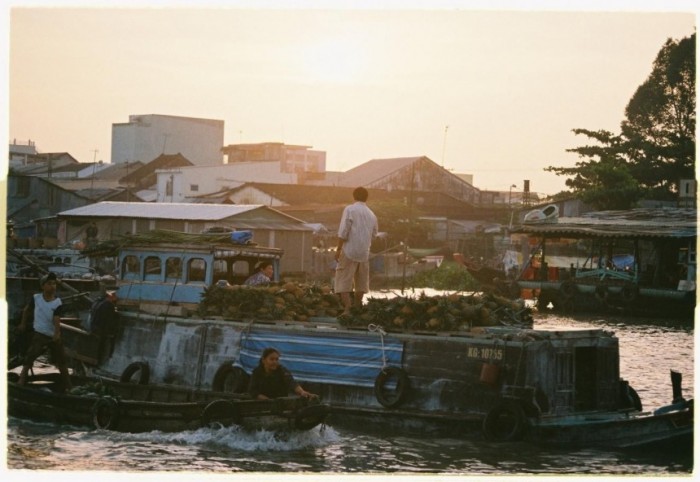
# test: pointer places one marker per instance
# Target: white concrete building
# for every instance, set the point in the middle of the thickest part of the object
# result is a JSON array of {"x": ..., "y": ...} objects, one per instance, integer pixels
[
  {"x": 179, "y": 184},
  {"x": 145, "y": 137}
]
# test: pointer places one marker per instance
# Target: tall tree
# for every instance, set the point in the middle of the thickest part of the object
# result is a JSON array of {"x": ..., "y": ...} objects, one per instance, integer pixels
[{"x": 656, "y": 146}]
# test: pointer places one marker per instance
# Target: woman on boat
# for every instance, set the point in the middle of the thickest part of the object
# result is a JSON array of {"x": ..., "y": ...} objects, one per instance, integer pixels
[
  {"x": 272, "y": 380},
  {"x": 263, "y": 276}
]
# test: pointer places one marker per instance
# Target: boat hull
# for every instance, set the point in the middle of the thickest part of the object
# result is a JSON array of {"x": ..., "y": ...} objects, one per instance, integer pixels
[
  {"x": 130, "y": 407},
  {"x": 623, "y": 431}
]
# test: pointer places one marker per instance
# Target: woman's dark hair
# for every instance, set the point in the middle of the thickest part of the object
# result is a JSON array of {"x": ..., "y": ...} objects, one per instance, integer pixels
[
  {"x": 263, "y": 265},
  {"x": 267, "y": 352}
]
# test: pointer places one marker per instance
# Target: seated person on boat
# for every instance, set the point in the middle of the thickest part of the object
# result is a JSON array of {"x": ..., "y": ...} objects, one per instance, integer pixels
[
  {"x": 270, "y": 379},
  {"x": 261, "y": 277}
]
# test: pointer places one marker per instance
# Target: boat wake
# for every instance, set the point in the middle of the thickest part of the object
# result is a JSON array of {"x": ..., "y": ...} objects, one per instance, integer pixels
[{"x": 238, "y": 439}]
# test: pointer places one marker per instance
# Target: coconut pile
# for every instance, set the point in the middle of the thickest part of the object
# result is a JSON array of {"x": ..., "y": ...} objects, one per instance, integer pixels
[{"x": 302, "y": 302}]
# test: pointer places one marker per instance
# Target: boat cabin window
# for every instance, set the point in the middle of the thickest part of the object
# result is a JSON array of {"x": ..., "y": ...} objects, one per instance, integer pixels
[
  {"x": 130, "y": 267},
  {"x": 173, "y": 269},
  {"x": 241, "y": 271},
  {"x": 152, "y": 269},
  {"x": 196, "y": 270},
  {"x": 220, "y": 270}
]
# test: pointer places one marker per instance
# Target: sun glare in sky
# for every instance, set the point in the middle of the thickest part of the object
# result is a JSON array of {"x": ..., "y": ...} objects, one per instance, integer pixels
[{"x": 334, "y": 60}]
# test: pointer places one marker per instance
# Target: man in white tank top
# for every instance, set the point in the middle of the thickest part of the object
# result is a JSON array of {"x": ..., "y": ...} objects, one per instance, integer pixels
[{"x": 44, "y": 310}]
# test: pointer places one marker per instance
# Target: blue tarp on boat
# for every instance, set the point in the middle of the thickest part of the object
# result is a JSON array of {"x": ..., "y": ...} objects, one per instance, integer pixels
[{"x": 341, "y": 359}]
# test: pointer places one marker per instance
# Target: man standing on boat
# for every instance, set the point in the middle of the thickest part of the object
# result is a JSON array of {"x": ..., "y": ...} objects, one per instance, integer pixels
[
  {"x": 44, "y": 309},
  {"x": 358, "y": 226},
  {"x": 104, "y": 319}
]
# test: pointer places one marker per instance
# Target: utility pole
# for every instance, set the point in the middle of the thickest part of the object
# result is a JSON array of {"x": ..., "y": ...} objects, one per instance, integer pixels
[
  {"x": 444, "y": 143},
  {"x": 94, "y": 166}
]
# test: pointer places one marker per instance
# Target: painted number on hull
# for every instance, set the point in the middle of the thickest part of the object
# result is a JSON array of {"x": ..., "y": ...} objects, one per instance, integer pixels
[{"x": 485, "y": 353}]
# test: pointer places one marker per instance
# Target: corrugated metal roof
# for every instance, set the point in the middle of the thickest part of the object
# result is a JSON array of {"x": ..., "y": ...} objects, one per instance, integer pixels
[
  {"x": 373, "y": 170},
  {"x": 180, "y": 211},
  {"x": 634, "y": 223}
]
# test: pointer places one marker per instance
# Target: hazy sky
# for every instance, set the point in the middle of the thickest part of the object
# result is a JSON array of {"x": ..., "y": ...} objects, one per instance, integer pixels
[{"x": 359, "y": 84}]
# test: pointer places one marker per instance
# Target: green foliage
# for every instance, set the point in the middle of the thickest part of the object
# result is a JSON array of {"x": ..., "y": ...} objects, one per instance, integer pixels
[
  {"x": 449, "y": 276},
  {"x": 656, "y": 146},
  {"x": 401, "y": 223}
]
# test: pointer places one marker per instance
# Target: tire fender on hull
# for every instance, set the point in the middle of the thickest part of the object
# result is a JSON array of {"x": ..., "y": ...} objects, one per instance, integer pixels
[
  {"x": 137, "y": 367},
  {"x": 105, "y": 413},
  {"x": 223, "y": 412},
  {"x": 230, "y": 378},
  {"x": 505, "y": 422},
  {"x": 391, "y": 398}
]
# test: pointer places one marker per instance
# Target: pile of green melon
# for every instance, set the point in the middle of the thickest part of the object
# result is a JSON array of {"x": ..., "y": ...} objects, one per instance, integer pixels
[{"x": 305, "y": 302}]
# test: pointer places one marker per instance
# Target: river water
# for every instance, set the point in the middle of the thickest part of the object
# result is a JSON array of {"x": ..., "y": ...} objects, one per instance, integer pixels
[{"x": 649, "y": 349}]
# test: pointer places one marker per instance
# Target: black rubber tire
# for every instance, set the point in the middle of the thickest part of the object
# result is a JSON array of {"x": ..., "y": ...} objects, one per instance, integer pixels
[
  {"x": 105, "y": 413},
  {"x": 601, "y": 293},
  {"x": 224, "y": 412},
  {"x": 142, "y": 369},
  {"x": 396, "y": 397},
  {"x": 629, "y": 293},
  {"x": 505, "y": 422},
  {"x": 567, "y": 290},
  {"x": 230, "y": 378},
  {"x": 308, "y": 417}
]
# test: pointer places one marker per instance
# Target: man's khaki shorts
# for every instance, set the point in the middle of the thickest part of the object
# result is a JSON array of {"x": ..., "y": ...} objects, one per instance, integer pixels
[{"x": 351, "y": 273}]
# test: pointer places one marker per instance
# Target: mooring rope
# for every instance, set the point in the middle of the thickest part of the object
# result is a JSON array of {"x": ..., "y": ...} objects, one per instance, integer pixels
[{"x": 378, "y": 328}]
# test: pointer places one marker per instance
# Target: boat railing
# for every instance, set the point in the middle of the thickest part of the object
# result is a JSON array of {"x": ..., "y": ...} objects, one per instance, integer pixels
[{"x": 606, "y": 273}]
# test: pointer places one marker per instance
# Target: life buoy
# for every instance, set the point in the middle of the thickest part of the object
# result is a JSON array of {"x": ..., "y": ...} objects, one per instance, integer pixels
[
  {"x": 230, "y": 378},
  {"x": 387, "y": 397},
  {"x": 105, "y": 413},
  {"x": 224, "y": 412},
  {"x": 137, "y": 367},
  {"x": 308, "y": 417},
  {"x": 505, "y": 422}
]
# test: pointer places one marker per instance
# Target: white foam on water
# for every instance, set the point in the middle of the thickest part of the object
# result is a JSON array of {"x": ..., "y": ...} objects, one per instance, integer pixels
[{"x": 237, "y": 438}]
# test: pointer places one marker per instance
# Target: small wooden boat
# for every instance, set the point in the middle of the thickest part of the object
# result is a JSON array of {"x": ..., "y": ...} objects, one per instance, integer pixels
[
  {"x": 669, "y": 426},
  {"x": 481, "y": 273},
  {"x": 130, "y": 407},
  {"x": 631, "y": 428}
]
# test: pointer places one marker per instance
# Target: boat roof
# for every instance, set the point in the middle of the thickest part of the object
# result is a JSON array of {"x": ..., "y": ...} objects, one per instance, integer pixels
[
  {"x": 633, "y": 223},
  {"x": 219, "y": 249}
]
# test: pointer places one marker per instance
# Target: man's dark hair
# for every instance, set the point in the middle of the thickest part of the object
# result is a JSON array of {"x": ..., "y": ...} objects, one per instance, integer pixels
[{"x": 360, "y": 194}]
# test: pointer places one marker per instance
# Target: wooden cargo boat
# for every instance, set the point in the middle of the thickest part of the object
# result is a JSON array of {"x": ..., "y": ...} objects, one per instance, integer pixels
[
  {"x": 132, "y": 407},
  {"x": 512, "y": 382}
]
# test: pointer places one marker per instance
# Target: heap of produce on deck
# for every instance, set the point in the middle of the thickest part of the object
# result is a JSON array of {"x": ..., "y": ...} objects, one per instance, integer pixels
[{"x": 301, "y": 302}]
